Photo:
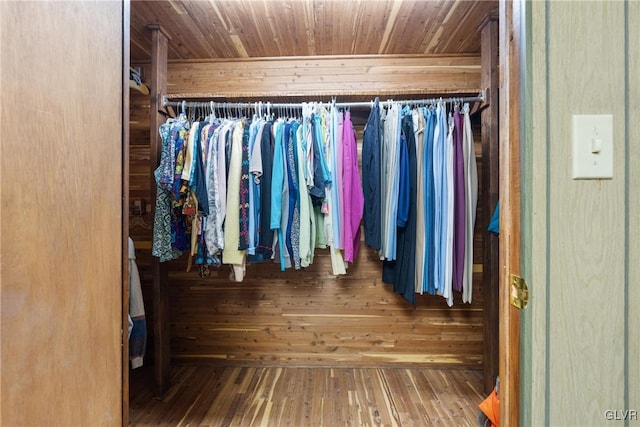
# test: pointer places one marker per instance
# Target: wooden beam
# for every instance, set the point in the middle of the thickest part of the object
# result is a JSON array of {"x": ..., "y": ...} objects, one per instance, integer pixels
[
  {"x": 159, "y": 271},
  {"x": 318, "y": 76},
  {"x": 490, "y": 157},
  {"x": 510, "y": 115}
]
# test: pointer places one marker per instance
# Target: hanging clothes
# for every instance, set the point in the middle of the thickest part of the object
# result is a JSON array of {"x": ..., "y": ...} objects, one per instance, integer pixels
[
  {"x": 254, "y": 170},
  {"x": 277, "y": 180},
  {"x": 332, "y": 211},
  {"x": 243, "y": 214},
  {"x": 428, "y": 282},
  {"x": 321, "y": 180},
  {"x": 353, "y": 194},
  {"x": 421, "y": 243},
  {"x": 232, "y": 191},
  {"x": 459, "y": 202},
  {"x": 440, "y": 197},
  {"x": 138, "y": 331},
  {"x": 265, "y": 235},
  {"x": 371, "y": 146},
  {"x": 447, "y": 229},
  {"x": 471, "y": 193},
  {"x": 231, "y": 254},
  {"x": 293, "y": 223},
  {"x": 401, "y": 271},
  {"x": 390, "y": 181},
  {"x": 169, "y": 240},
  {"x": 306, "y": 222}
]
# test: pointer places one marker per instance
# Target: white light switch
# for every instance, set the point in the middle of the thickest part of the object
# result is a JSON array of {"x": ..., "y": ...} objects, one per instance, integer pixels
[{"x": 593, "y": 146}]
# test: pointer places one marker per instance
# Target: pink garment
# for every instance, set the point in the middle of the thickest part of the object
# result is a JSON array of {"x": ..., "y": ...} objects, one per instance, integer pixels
[{"x": 353, "y": 194}]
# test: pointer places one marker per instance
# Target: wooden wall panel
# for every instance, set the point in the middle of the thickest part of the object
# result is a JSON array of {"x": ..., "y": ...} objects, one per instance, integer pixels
[
  {"x": 326, "y": 76},
  {"x": 61, "y": 230},
  {"x": 309, "y": 317}
]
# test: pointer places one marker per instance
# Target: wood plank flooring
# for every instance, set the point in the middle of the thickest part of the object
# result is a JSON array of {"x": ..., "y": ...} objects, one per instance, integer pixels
[{"x": 298, "y": 397}]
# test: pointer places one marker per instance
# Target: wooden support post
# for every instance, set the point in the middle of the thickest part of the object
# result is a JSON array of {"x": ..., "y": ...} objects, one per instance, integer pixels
[
  {"x": 490, "y": 81},
  {"x": 159, "y": 271}
]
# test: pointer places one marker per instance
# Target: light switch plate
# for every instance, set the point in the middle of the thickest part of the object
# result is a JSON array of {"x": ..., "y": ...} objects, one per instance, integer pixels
[{"x": 593, "y": 146}]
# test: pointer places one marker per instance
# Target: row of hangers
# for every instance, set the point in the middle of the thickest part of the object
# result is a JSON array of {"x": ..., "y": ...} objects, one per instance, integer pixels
[
  {"x": 214, "y": 110},
  {"x": 237, "y": 110}
]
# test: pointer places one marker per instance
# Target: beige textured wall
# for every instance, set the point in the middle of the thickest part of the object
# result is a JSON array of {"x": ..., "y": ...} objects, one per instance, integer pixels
[
  {"x": 579, "y": 278},
  {"x": 634, "y": 204}
]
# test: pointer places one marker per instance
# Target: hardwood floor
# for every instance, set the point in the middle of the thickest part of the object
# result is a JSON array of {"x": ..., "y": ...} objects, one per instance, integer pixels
[{"x": 275, "y": 396}]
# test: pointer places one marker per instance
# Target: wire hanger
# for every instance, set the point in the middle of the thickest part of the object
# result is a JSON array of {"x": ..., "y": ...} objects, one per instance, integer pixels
[{"x": 137, "y": 220}]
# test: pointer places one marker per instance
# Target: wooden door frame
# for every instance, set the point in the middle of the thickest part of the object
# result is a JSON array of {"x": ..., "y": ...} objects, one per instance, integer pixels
[
  {"x": 511, "y": 53},
  {"x": 126, "y": 28}
]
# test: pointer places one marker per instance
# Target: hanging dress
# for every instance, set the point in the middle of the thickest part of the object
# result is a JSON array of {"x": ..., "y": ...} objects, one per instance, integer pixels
[
  {"x": 471, "y": 183},
  {"x": 168, "y": 235}
]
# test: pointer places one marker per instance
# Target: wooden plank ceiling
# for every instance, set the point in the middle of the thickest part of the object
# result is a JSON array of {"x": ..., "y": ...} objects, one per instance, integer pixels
[{"x": 272, "y": 28}]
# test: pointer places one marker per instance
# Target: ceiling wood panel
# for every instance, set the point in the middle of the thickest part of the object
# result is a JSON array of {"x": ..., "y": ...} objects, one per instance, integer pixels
[{"x": 267, "y": 28}]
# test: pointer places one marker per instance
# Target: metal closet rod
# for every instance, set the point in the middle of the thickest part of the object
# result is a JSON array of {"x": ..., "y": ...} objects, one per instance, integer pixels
[{"x": 200, "y": 104}]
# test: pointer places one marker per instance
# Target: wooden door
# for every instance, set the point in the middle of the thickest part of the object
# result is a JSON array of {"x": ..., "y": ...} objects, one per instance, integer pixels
[{"x": 61, "y": 212}]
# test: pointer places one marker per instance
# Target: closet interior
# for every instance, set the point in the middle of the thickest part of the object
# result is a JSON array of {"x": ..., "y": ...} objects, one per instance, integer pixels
[{"x": 308, "y": 334}]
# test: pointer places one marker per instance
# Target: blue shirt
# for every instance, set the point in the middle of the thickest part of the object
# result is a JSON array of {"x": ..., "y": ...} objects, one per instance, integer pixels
[{"x": 277, "y": 185}]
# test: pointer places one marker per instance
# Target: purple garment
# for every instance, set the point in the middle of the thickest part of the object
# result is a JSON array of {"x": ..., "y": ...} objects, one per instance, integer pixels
[
  {"x": 353, "y": 194},
  {"x": 458, "y": 202}
]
